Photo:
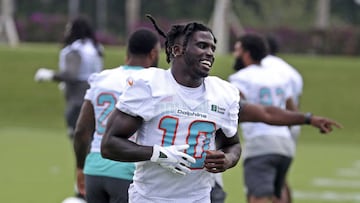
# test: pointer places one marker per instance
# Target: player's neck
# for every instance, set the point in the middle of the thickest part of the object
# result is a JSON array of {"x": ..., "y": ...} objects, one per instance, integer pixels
[
  {"x": 138, "y": 62},
  {"x": 185, "y": 79}
]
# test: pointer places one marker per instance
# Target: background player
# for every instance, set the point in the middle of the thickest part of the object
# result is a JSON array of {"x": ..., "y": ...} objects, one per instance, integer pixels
[
  {"x": 107, "y": 180},
  {"x": 296, "y": 82},
  {"x": 80, "y": 57},
  {"x": 268, "y": 149}
]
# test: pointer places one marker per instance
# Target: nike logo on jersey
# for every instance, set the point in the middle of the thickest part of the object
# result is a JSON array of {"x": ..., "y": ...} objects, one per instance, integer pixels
[{"x": 130, "y": 81}]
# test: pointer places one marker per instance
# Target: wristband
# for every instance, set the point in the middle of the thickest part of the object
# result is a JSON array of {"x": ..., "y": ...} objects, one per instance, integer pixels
[{"x": 308, "y": 117}]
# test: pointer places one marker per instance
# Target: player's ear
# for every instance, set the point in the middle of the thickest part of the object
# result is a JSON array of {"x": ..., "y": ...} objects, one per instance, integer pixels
[
  {"x": 177, "y": 50},
  {"x": 154, "y": 53}
]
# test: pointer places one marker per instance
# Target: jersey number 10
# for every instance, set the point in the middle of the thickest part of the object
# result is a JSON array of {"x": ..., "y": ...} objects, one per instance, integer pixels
[{"x": 198, "y": 136}]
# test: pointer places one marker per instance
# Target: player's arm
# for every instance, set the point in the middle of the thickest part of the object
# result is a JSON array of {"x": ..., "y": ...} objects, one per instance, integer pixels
[
  {"x": 84, "y": 130},
  {"x": 290, "y": 105},
  {"x": 277, "y": 116},
  {"x": 72, "y": 67},
  {"x": 227, "y": 154},
  {"x": 115, "y": 144},
  {"x": 73, "y": 62}
]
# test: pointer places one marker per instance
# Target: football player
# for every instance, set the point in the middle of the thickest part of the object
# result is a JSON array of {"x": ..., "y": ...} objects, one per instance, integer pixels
[{"x": 107, "y": 180}]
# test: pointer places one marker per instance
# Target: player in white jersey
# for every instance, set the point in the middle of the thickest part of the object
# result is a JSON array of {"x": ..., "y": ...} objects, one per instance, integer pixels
[
  {"x": 81, "y": 56},
  {"x": 288, "y": 72},
  {"x": 107, "y": 180},
  {"x": 177, "y": 113},
  {"x": 268, "y": 150}
]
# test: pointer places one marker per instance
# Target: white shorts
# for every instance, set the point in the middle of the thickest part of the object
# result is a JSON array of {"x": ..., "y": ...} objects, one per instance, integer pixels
[{"x": 136, "y": 197}]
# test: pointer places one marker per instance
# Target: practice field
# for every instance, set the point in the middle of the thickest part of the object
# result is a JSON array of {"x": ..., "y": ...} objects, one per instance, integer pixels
[{"x": 37, "y": 164}]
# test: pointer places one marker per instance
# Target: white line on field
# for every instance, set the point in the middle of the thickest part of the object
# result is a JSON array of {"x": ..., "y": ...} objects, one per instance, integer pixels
[
  {"x": 54, "y": 170},
  {"x": 357, "y": 164},
  {"x": 339, "y": 183},
  {"x": 348, "y": 172},
  {"x": 327, "y": 195}
]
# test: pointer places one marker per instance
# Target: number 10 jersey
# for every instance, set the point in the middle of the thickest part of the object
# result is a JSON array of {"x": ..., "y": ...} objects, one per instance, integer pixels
[{"x": 176, "y": 115}]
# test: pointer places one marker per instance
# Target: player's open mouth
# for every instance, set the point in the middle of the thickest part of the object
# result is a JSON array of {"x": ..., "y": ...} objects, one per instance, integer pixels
[{"x": 205, "y": 63}]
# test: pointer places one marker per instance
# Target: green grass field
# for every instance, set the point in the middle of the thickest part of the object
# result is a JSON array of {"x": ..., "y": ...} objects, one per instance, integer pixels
[{"x": 37, "y": 164}]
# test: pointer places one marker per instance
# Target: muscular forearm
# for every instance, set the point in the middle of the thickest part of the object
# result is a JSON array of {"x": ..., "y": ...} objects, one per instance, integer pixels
[
  {"x": 277, "y": 116},
  {"x": 65, "y": 77},
  {"x": 120, "y": 149},
  {"x": 232, "y": 154},
  {"x": 81, "y": 150},
  {"x": 270, "y": 115},
  {"x": 115, "y": 144},
  {"x": 84, "y": 131}
]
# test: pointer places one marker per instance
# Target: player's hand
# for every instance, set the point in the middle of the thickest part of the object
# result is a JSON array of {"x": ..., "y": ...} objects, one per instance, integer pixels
[
  {"x": 215, "y": 161},
  {"x": 172, "y": 158},
  {"x": 44, "y": 74},
  {"x": 325, "y": 125},
  {"x": 80, "y": 181}
]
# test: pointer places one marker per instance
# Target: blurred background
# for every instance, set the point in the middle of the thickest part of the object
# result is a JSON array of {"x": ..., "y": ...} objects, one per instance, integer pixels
[
  {"x": 321, "y": 38},
  {"x": 304, "y": 26}
]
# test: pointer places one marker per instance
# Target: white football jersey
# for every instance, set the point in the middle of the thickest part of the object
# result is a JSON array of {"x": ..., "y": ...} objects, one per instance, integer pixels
[
  {"x": 105, "y": 89},
  {"x": 262, "y": 86},
  {"x": 91, "y": 62},
  {"x": 288, "y": 72},
  {"x": 177, "y": 115}
]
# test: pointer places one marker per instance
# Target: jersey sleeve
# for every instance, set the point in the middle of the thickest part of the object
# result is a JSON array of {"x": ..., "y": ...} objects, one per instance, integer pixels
[
  {"x": 231, "y": 126},
  {"x": 230, "y": 121},
  {"x": 240, "y": 83},
  {"x": 289, "y": 91},
  {"x": 137, "y": 99},
  {"x": 89, "y": 94},
  {"x": 298, "y": 83},
  {"x": 91, "y": 81}
]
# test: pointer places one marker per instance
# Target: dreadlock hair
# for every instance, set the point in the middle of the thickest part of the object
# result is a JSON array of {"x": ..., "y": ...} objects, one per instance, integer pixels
[
  {"x": 82, "y": 29},
  {"x": 177, "y": 31}
]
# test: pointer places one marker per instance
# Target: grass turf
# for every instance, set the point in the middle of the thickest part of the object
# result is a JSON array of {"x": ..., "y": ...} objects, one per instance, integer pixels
[{"x": 37, "y": 158}]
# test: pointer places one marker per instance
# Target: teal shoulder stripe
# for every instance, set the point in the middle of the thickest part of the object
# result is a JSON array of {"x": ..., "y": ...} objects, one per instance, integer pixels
[{"x": 126, "y": 67}]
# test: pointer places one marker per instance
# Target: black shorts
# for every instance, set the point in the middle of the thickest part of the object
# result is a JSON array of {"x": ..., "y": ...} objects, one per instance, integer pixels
[
  {"x": 217, "y": 194},
  {"x": 71, "y": 115},
  {"x": 106, "y": 189},
  {"x": 265, "y": 175}
]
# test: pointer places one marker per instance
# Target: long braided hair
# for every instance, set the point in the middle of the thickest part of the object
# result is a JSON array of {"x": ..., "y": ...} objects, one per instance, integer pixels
[
  {"x": 82, "y": 29},
  {"x": 176, "y": 31}
]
